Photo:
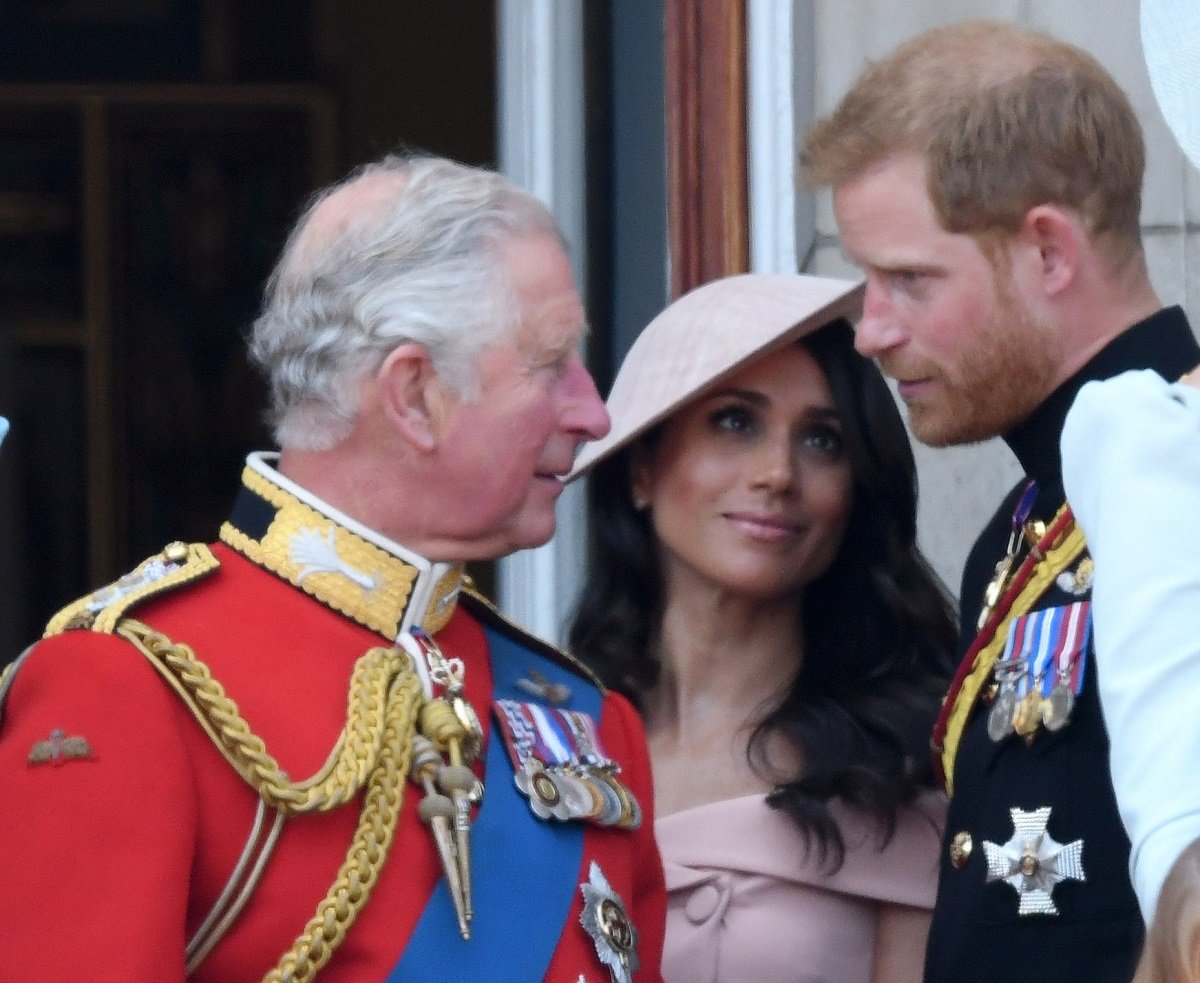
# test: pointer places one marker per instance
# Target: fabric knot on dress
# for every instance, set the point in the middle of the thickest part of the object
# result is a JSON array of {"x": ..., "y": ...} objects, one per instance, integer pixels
[{"x": 708, "y": 900}]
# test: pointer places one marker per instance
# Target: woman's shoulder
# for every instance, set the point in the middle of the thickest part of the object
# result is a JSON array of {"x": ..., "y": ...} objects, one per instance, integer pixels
[
  {"x": 745, "y": 835},
  {"x": 904, "y": 869}
]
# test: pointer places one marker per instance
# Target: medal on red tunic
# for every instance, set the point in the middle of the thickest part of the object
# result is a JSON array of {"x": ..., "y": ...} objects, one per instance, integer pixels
[
  {"x": 606, "y": 921},
  {"x": 560, "y": 767}
]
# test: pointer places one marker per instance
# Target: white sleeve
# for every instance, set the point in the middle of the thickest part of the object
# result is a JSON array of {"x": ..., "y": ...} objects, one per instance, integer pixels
[{"x": 1131, "y": 467}]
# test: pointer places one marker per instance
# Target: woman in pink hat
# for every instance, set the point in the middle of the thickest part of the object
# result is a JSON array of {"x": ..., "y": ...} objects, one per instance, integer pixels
[{"x": 756, "y": 589}]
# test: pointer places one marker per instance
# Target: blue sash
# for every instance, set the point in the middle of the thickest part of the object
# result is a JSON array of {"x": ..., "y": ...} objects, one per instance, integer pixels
[{"x": 524, "y": 870}]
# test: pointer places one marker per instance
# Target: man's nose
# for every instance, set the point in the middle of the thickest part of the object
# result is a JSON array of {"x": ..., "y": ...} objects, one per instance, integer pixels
[
  {"x": 878, "y": 329},
  {"x": 585, "y": 413}
]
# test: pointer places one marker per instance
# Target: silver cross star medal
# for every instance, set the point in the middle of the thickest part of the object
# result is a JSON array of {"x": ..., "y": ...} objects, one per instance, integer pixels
[{"x": 1033, "y": 862}]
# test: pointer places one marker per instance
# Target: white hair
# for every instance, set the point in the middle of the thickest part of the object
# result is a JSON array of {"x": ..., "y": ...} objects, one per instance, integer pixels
[{"x": 422, "y": 265}]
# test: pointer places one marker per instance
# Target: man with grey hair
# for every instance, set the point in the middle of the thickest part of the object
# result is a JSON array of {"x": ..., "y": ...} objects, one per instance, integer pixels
[{"x": 181, "y": 762}]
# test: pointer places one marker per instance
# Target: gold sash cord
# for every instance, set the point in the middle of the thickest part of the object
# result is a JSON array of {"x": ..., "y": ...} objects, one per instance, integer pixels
[
  {"x": 1055, "y": 559},
  {"x": 372, "y": 752}
]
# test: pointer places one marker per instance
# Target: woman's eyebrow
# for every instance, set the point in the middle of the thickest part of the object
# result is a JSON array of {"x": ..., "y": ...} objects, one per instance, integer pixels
[
  {"x": 749, "y": 395},
  {"x": 827, "y": 412}
]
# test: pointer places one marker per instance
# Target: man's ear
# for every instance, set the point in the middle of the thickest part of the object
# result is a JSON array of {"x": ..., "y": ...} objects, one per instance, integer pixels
[
  {"x": 410, "y": 395},
  {"x": 1055, "y": 238}
]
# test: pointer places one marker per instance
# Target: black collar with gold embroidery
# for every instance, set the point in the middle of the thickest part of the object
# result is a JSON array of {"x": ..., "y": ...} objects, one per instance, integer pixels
[{"x": 377, "y": 583}]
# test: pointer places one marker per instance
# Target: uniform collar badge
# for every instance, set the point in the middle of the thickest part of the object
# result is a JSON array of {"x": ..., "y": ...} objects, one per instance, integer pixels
[
  {"x": 341, "y": 563},
  {"x": 1033, "y": 862},
  {"x": 605, "y": 919}
]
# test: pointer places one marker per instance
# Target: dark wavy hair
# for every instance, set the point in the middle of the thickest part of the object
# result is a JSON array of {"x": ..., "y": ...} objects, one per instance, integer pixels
[{"x": 879, "y": 627}]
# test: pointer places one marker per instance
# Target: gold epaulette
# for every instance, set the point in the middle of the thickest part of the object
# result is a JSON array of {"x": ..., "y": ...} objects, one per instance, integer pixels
[
  {"x": 370, "y": 761},
  {"x": 178, "y": 564}
]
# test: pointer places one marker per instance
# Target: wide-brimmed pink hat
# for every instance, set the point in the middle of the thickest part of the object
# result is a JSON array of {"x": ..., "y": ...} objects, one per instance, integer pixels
[{"x": 706, "y": 336}]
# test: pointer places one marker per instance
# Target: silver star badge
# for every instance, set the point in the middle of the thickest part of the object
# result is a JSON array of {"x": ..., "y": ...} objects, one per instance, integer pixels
[
  {"x": 608, "y": 924},
  {"x": 1033, "y": 862}
]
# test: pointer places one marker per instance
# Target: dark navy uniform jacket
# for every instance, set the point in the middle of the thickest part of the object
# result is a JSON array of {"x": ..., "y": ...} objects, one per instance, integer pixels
[{"x": 977, "y": 933}]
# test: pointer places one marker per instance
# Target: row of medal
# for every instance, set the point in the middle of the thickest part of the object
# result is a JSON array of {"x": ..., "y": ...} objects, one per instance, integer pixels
[
  {"x": 1040, "y": 672},
  {"x": 559, "y": 765}
]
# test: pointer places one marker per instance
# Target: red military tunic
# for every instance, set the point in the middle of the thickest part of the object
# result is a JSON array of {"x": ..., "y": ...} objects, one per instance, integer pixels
[{"x": 114, "y": 850}]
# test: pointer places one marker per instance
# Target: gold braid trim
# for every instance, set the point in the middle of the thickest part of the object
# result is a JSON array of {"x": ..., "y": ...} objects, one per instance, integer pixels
[
  {"x": 368, "y": 850},
  {"x": 353, "y": 757},
  {"x": 373, "y": 750}
]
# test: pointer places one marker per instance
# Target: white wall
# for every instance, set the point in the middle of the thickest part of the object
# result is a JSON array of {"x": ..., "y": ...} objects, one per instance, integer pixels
[
  {"x": 960, "y": 487},
  {"x": 541, "y": 137}
]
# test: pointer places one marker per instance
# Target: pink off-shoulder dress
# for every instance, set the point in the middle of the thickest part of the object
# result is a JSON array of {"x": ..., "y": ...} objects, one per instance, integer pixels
[{"x": 749, "y": 903}]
